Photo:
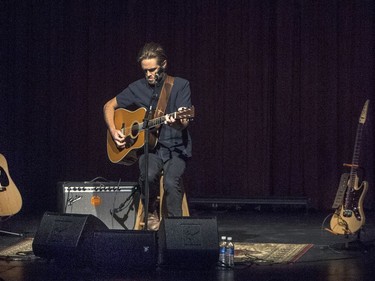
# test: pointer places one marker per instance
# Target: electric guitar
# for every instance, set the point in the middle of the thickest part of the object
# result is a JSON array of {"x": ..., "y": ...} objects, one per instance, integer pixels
[
  {"x": 10, "y": 197},
  {"x": 349, "y": 217},
  {"x": 132, "y": 126}
]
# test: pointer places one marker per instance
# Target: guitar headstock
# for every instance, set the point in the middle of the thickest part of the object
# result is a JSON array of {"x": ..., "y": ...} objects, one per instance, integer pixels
[
  {"x": 186, "y": 113},
  {"x": 362, "y": 118}
]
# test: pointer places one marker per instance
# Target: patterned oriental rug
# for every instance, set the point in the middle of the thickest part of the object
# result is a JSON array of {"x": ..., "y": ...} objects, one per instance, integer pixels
[
  {"x": 245, "y": 253},
  {"x": 268, "y": 253},
  {"x": 22, "y": 250}
]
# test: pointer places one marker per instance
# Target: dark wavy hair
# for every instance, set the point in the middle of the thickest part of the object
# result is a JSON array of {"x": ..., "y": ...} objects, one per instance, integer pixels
[{"x": 150, "y": 51}]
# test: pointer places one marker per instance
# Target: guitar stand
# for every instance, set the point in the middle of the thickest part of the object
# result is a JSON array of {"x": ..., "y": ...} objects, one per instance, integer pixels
[{"x": 355, "y": 245}]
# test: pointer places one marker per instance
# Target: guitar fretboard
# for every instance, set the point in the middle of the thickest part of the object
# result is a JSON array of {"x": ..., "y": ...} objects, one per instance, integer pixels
[
  {"x": 353, "y": 181},
  {"x": 356, "y": 153},
  {"x": 152, "y": 123}
]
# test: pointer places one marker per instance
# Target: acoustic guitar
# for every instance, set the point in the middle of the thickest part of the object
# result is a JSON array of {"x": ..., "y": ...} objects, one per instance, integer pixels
[
  {"x": 10, "y": 197},
  {"x": 349, "y": 217},
  {"x": 132, "y": 126}
]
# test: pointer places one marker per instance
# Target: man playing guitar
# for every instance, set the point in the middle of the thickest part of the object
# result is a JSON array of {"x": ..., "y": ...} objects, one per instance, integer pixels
[{"x": 173, "y": 148}]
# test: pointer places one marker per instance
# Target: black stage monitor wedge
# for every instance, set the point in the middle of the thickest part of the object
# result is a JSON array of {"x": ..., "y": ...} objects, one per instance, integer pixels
[
  {"x": 188, "y": 242},
  {"x": 124, "y": 250},
  {"x": 114, "y": 203},
  {"x": 66, "y": 236}
]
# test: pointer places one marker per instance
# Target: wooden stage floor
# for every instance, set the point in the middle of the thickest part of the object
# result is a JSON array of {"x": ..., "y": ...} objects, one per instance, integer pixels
[{"x": 331, "y": 257}]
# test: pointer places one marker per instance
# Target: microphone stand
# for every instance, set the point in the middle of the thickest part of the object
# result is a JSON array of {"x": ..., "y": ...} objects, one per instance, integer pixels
[{"x": 146, "y": 128}]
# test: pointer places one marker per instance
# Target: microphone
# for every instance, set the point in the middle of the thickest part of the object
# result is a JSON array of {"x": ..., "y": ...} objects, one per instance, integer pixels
[
  {"x": 157, "y": 77},
  {"x": 159, "y": 74},
  {"x": 120, "y": 208}
]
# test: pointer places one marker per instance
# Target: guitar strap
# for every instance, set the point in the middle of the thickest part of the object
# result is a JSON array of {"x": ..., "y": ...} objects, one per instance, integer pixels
[{"x": 164, "y": 96}]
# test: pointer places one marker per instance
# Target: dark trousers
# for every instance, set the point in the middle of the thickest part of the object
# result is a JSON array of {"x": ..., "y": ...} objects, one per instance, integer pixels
[{"x": 173, "y": 170}]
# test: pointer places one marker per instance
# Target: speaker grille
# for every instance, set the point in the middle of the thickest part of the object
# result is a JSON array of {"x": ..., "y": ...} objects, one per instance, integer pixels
[
  {"x": 124, "y": 250},
  {"x": 64, "y": 236},
  {"x": 188, "y": 242}
]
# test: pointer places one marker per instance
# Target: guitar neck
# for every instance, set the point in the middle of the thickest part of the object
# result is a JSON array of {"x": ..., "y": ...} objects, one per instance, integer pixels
[
  {"x": 357, "y": 147},
  {"x": 356, "y": 153},
  {"x": 152, "y": 123},
  {"x": 187, "y": 113}
]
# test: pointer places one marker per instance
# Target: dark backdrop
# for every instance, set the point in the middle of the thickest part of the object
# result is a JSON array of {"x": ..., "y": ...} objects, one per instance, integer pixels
[{"x": 278, "y": 87}]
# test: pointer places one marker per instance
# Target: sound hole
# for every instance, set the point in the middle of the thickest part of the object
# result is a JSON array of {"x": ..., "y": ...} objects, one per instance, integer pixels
[
  {"x": 4, "y": 181},
  {"x": 135, "y": 130}
]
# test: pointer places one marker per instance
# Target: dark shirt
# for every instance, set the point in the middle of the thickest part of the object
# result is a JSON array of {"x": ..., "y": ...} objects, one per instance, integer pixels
[{"x": 170, "y": 141}]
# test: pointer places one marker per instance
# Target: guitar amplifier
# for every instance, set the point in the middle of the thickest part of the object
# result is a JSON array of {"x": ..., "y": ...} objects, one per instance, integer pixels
[{"x": 114, "y": 203}]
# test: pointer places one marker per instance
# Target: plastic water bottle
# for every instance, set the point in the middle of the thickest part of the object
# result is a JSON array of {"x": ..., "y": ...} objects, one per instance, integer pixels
[
  {"x": 229, "y": 253},
  {"x": 222, "y": 249}
]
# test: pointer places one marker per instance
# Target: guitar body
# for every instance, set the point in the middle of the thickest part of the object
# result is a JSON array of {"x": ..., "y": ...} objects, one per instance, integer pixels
[
  {"x": 131, "y": 125},
  {"x": 10, "y": 197},
  {"x": 128, "y": 122},
  {"x": 350, "y": 217}
]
